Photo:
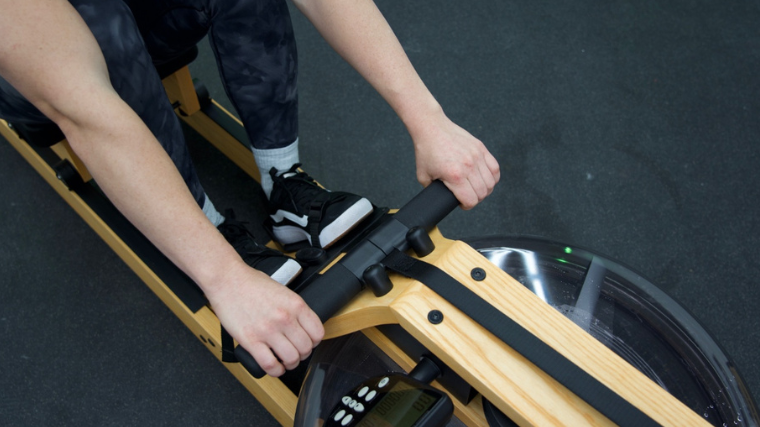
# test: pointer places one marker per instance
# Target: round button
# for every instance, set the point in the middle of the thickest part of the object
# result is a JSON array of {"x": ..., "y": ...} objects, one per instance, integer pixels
[
  {"x": 352, "y": 403},
  {"x": 359, "y": 407},
  {"x": 347, "y": 420},
  {"x": 339, "y": 415},
  {"x": 371, "y": 395},
  {"x": 384, "y": 382},
  {"x": 311, "y": 256},
  {"x": 346, "y": 400},
  {"x": 363, "y": 391}
]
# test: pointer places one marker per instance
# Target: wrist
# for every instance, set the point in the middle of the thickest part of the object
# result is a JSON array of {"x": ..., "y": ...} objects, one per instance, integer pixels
[
  {"x": 220, "y": 275},
  {"x": 422, "y": 120}
]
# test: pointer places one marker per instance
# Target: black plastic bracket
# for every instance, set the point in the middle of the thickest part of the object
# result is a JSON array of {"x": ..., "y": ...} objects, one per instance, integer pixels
[
  {"x": 376, "y": 278},
  {"x": 420, "y": 241}
]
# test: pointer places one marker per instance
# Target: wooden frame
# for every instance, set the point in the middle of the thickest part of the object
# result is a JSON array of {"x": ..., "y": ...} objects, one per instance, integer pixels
[{"x": 505, "y": 378}]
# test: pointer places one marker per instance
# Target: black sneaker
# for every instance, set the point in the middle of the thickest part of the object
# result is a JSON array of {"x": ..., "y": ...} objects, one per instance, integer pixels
[
  {"x": 279, "y": 267},
  {"x": 301, "y": 209}
]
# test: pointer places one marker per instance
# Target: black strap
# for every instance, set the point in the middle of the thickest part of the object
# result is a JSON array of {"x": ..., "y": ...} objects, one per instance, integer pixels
[
  {"x": 575, "y": 379},
  {"x": 228, "y": 347},
  {"x": 316, "y": 210}
]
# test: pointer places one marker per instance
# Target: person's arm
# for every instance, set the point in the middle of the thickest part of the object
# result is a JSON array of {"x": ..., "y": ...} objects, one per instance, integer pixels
[
  {"x": 360, "y": 34},
  {"x": 49, "y": 55}
]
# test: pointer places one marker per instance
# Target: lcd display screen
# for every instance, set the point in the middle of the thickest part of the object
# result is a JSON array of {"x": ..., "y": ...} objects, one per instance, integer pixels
[{"x": 402, "y": 406}]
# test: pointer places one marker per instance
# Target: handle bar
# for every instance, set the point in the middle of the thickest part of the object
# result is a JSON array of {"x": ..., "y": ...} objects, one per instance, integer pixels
[{"x": 337, "y": 286}]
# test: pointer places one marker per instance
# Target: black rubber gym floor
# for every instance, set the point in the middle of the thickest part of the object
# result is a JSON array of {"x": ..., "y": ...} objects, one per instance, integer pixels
[{"x": 629, "y": 128}]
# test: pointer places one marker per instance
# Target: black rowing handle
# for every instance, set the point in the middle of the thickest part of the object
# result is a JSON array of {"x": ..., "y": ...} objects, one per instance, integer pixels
[{"x": 333, "y": 290}]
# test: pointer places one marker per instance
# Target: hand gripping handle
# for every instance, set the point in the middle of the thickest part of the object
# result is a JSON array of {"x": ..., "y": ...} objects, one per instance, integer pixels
[{"x": 333, "y": 290}]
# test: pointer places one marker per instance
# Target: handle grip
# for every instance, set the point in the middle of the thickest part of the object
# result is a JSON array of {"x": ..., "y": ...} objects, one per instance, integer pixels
[
  {"x": 428, "y": 207},
  {"x": 337, "y": 286},
  {"x": 249, "y": 363}
]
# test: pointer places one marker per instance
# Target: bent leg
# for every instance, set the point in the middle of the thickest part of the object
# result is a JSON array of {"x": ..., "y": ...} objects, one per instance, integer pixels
[
  {"x": 133, "y": 77},
  {"x": 260, "y": 74},
  {"x": 255, "y": 50}
]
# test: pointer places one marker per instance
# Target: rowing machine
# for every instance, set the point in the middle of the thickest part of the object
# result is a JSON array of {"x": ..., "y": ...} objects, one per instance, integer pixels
[{"x": 491, "y": 369}]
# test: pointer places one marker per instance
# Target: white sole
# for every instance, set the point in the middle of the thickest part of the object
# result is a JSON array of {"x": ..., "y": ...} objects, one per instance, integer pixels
[
  {"x": 289, "y": 271},
  {"x": 288, "y": 234}
]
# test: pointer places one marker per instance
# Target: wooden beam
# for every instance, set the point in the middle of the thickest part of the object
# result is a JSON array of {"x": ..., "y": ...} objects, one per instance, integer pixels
[
  {"x": 180, "y": 89},
  {"x": 523, "y": 392},
  {"x": 367, "y": 310}
]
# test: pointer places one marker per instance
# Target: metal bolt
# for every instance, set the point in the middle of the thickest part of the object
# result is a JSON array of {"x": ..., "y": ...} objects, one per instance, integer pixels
[
  {"x": 478, "y": 274},
  {"x": 435, "y": 317}
]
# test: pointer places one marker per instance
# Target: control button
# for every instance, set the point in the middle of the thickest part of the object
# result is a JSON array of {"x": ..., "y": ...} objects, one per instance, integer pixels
[
  {"x": 384, "y": 382},
  {"x": 371, "y": 395},
  {"x": 346, "y": 400},
  {"x": 359, "y": 407},
  {"x": 339, "y": 415},
  {"x": 352, "y": 403},
  {"x": 347, "y": 420},
  {"x": 363, "y": 391}
]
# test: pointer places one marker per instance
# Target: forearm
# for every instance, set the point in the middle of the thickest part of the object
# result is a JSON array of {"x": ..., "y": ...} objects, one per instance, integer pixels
[
  {"x": 137, "y": 175},
  {"x": 361, "y": 35},
  {"x": 49, "y": 55},
  {"x": 143, "y": 183}
]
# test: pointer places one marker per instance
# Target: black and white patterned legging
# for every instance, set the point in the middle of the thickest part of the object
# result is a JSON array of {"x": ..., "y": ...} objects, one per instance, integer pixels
[{"x": 255, "y": 51}]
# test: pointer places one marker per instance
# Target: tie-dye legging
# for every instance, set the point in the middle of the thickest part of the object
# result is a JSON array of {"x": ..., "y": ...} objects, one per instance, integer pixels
[{"x": 255, "y": 51}]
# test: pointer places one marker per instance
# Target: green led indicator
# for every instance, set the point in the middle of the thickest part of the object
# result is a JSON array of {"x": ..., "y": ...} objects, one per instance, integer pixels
[{"x": 568, "y": 250}]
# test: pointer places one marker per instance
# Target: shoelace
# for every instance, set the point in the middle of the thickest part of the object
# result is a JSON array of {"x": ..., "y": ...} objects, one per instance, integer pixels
[
  {"x": 236, "y": 232},
  {"x": 301, "y": 188}
]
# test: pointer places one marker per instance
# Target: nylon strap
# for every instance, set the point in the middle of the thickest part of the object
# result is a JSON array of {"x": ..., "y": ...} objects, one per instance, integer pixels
[
  {"x": 575, "y": 379},
  {"x": 228, "y": 347},
  {"x": 316, "y": 210}
]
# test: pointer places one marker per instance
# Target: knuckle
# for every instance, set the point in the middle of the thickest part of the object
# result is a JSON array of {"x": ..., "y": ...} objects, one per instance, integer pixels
[
  {"x": 251, "y": 334},
  {"x": 264, "y": 329},
  {"x": 320, "y": 333},
  {"x": 291, "y": 361},
  {"x": 269, "y": 365},
  {"x": 298, "y": 304},
  {"x": 456, "y": 176},
  {"x": 293, "y": 304},
  {"x": 281, "y": 316},
  {"x": 275, "y": 372}
]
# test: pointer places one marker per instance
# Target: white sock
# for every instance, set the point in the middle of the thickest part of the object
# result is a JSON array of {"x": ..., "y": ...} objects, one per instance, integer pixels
[
  {"x": 211, "y": 213},
  {"x": 279, "y": 158}
]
